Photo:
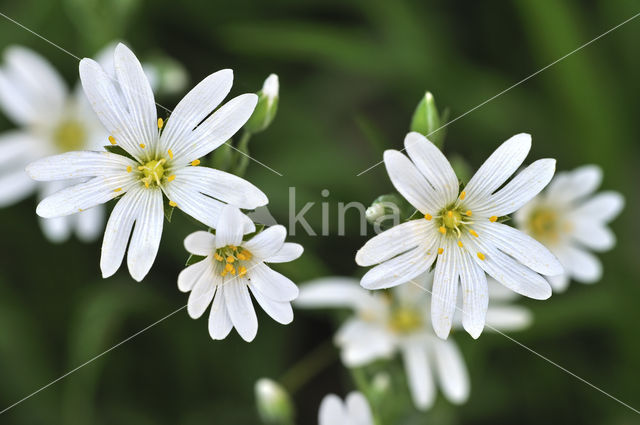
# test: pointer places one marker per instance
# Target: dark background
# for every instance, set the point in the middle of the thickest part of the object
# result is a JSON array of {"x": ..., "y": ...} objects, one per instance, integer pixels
[{"x": 351, "y": 74}]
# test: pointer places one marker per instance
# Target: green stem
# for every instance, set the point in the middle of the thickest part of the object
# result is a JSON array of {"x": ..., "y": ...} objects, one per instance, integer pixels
[
  {"x": 243, "y": 155},
  {"x": 309, "y": 366}
]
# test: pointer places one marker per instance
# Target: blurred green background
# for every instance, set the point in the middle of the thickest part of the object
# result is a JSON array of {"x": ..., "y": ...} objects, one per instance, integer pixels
[{"x": 351, "y": 74}]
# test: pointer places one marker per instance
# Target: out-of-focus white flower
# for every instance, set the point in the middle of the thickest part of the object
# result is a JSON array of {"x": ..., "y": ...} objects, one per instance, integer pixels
[
  {"x": 399, "y": 322},
  {"x": 570, "y": 222},
  {"x": 51, "y": 120},
  {"x": 160, "y": 160},
  {"x": 231, "y": 268},
  {"x": 354, "y": 411},
  {"x": 461, "y": 229}
]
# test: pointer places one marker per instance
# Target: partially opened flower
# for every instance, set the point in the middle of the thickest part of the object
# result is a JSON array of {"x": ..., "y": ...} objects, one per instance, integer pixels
[
  {"x": 462, "y": 230},
  {"x": 234, "y": 267},
  {"x": 398, "y": 321},
  {"x": 571, "y": 222},
  {"x": 157, "y": 159},
  {"x": 51, "y": 119},
  {"x": 354, "y": 410}
]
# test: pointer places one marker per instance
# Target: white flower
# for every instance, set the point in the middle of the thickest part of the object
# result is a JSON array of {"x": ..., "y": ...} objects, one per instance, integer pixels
[
  {"x": 398, "y": 322},
  {"x": 163, "y": 162},
  {"x": 570, "y": 222},
  {"x": 354, "y": 411},
  {"x": 271, "y": 87},
  {"x": 231, "y": 268},
  {"x": 51, "y": 120},
  {"x": 462, "y": 230}
]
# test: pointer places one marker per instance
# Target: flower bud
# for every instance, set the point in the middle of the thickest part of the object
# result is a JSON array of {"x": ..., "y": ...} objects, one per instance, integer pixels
[
  {"x": 267, "y": 106},
  {"x": 385, "y": 207},
  {"x": 274, "y": 404},
  {"x": 166, "y": 75},
  {"x": 426, "y": 120}
]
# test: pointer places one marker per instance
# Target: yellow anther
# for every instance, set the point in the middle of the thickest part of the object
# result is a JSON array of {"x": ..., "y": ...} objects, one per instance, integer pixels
[
  {"x": 460, "y": 244},
  {"x": 160, "y": 123},
  {"x": 233, "y": 271},
  {"x": 481, "y": 256},
  {"x": 442, "y": 230},
  {"x": 171, "y": 177},
  {"x": 117, "y": 189},
  {"x": 241, "y": 257},
  {"x": 228, "y": 267},
  {"x": 440, "y": 250},
  {"x": 473, "y": 232},
  {"x": 170, "y": 153},
  {"x": 146, "y": 184},
  {"x": 463, "y": 195},
  {"x": 223, "y": 273},
  {"x": 230, "y": 259},
  {"x": 142, "y": 145},
  {"x": 233, "y": 247},
  {"x": 217, "y": 256},
  {"x": 129, "y": 168},
  {"x": 242, "y": 270},
  {"x": 112, "y": 140},
  {"x": 450, "y": 213},
  {"x": 80, "y": 210},
  {"x": 173, "y": 204},
  {"x": 195, "y": 162},
  {"x": 428, "y": 216},
  {"x": 493, "y": 218},
  {"x": 468, "y": 213}
]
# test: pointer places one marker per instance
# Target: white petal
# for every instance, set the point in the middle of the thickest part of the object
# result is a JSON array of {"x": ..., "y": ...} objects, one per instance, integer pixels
[
  {"x": 195, "y": 107},
  {"x": 358, "y": 409},
  {"x": 451, "y": 371},
  {"x": 445, "y": 291},
  {"x": 394, "y": 241},
  {"x": 116, "y": 235},
  {"x": 240, "y": 308},
  {"x": 593, "y": 235},
  {"x": 137, "y": 95},
  {"x": 508, "y": 318},
  {"x": 475, "y": 297},
  {"x": 419, "y": 376},
  {"x": 226, "y": 187},
  {"x": 576, "y": 184},
  {"x": 267, "y": 242},
  {"x": 400, "y": 269},
  {"x": 559, "y": 283},
  {"x": 73, "y": 165},
  {"x": 200, "y": 243},
  {"x": 290, "y": 251},
  {"x": 410, "y": 183},
  {"x": 604, "y": 206},
  {"x": 56, "y": 229},
  {"x": 17, "y": 147},
  {"x": 190, "y": 276},
  {"x": 520, "y": 246},
  {"x": 434, "y": 166},
  {"x": 332, "y": 412},
  {"x": 90, "y": 223},
  {"x": 147, "y": 233},
  {"x": 219, "y": 321},
  {"x": 15, "y": 187},
  {"x": 271, "y": 283},
  {"x": 202, "y": 293},
  {"x": 219, "y": 127},
  {"x": 363, "y": 342},
  {"x": 498, "y": 168},
  {"x": 335, "y": 291},
  {"x": 581, "y": 265},
  {"x": 526, "y": 185},
  {"x": 280, "y": 311},
  {"x": 230, "y": 227},
  {"x": 83, "y": 196}
]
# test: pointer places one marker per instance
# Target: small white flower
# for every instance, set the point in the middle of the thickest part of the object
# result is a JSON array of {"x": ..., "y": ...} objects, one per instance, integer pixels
[
  {"x": 231, "y": 268},
  {"x": 570, "y": 222},
  {"x": 271, "y": 87},
  {"x": 461, "y": 230},
  {"x": 164, "y": 162},
  {"x": 51, "y": 120},
  {"x": 398, "y": 322},
  {"x": 354, "y": 411}
]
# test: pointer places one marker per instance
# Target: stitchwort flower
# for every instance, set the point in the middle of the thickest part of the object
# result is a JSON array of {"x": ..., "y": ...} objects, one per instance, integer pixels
[
  {"x": 157, "y": 159},
  {"x": 462, "y": 230},
  {"x": 354, "y": 410},
  {"x": 231, "y": 269},
  {"x": 570, "y": 222}
]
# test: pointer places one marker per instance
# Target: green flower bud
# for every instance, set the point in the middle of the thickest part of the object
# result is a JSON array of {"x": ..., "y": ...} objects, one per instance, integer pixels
[
  {"x": 387, "y": 211},
  {"x": 267, "y": 106},
  {"x": 166, "y": 75},
  {"x": 274, "y": 404},
  {"x": 426, "y": 120}
]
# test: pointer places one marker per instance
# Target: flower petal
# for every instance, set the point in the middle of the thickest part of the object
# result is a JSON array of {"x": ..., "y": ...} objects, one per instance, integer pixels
[
  {"x": 147, "y": 233},
  {"x": 271, "y": 283},
  {"x": 508, "y": 318},
  {"x": 363, "y": 342},
  {"x": 445, "y": 290},
  {"x": 358, "y": 409},
  {"x": 397, "y": 240},
  {"x": 267, "y": 242},
  {"x": 240, "y": 308},
  {"x": 410, "y": 183},
  {"x": 16, "y": 186},
  {"x": 71, "y": 165},
  {"x": 451, "y": 371},
  {"x": 576, "y": 184},
  {"x": 498, "y": 168},
  {"x": 432, "y": 163},
  {"x": 200, "y": 243},
  {"x": 57, "y": 229},
  {"x": 230, "y": 227},
  {"x": 332, "y": 412},
  {"x": 400, "y": 269},
  {"x": 334, "y": 291},
  {"x": 202, "y": 293},
  {"x": 475, "y": 296},
  {"x": 419, "y": 376},
  {"x": 192, "y": 274},
  {"x": 280, "y": 311},
  {"x": 581, "y": 264},
  {"x": 90, "y": 223},
  {"x": 219, "y": 321},
  {"x": 604, "y": 207},
  {"x": 290, "y": 251},
  {"x": 593, "y": 235},
  {"x": 559, "y": 283}
]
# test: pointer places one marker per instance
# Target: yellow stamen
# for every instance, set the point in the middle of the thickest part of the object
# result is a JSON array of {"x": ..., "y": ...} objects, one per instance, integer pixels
[
  {"x": 223, "y": 273},
  {"x": 468, "y": 213},
  {"x": 428, "y": 216},
  {"x": 230, "y": 259},
  {"x": 493, "y": 219},
  {"x": 242, "y": 270},
  {"x": 463, "y": 195},
  {"x": 440, "y": 250},
  {"x": 171, "y": 177},
  {"x": 233, "y": 271},
  {"x": 112, "y": 140},
  {"x": 142, "y": 145},
  {"x": 217, "y": 256},
  {"x": 481, "y": 256},
  {"x": 173, "y": 204},
  {"x": 460, "y": 244},
  {"x": 146, "y": 184},
  {"x": 241, "y": 257},
  {"x": 170, "y": 153},
  {"x": 442, "y": 230},
  {"x": 195, "y": 162},
  {"x": 450, "y": 213},
  {"x": 235, "y": 248},
  {"x": 228, "y": 267},
  {"x": 160, "y": 123},
  {"x": 129, "y": 168},
  {"x": 473, "y": 232},
  {"x": 117, "y": 190}
]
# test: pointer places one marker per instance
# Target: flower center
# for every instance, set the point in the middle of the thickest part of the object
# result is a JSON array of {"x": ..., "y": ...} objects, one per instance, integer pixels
[
  {"x": 451, "y": 219},
  {"x": 153, "y": 171},
  {"x": 404, "y": 320},
  {"x": 231, "y": 259},
  {"x": 70, "y": 136},
  {"x": 544, "y": 224}
]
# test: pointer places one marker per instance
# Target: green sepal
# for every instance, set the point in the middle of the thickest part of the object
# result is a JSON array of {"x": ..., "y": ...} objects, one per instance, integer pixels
[
  {"x": 259, "y": 228},
  {"x": 194, "y": 259},
  {"x": 118, "y": 150},
  {"x": 168, "y": 211}
]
